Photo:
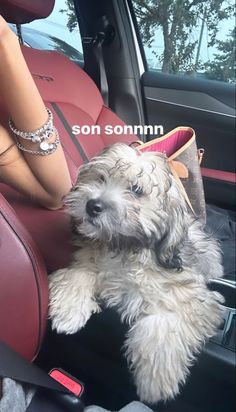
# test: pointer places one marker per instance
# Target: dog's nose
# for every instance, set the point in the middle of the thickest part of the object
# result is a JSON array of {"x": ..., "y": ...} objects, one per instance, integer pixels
[{"x": 94, "y": 207}]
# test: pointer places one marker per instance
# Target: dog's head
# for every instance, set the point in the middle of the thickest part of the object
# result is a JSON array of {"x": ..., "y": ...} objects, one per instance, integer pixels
[{"x": 130, "y": 201}]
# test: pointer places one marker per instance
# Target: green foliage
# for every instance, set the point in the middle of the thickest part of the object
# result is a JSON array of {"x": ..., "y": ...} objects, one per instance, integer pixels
[
  {"x": 224, "y": 64},
  {"x": 72, "y": 23},
  {"x": 177, "y": 20}
]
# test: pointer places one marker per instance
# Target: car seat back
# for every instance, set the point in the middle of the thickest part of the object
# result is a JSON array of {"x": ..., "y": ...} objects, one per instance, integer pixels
[
  {"x": 23, "y": 286},
  {"x": 25, "y": 11}
]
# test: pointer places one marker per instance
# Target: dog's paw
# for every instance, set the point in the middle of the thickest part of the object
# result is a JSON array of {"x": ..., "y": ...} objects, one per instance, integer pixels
[
  {"x": 71, "y": 302},
  {"x": 154, "y": 360},
  {"x": 161, "y": 348},
  {"x": 71, "y": 320}
]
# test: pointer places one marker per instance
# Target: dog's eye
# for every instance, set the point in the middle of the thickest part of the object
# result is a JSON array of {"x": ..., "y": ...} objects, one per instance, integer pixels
[
  {"x": 102, "y": 178},
  {"x": 137, "y": 190}
]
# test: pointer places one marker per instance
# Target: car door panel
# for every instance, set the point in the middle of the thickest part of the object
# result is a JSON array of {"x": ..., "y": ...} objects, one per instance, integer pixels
[{"x": 206, "y": 106}]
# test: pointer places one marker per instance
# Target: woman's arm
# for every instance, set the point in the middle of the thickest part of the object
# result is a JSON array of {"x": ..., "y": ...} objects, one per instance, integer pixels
[
  {"x": 15, "y": 172},
  {"x": 28, "y": 113}
]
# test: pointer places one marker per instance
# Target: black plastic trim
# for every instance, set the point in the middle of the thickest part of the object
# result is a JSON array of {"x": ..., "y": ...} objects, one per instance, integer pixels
[{"x": 219, "y": 90}]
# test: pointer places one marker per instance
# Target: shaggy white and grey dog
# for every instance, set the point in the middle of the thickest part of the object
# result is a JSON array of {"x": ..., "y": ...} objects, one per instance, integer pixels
[{"x": 144, "y": 254}]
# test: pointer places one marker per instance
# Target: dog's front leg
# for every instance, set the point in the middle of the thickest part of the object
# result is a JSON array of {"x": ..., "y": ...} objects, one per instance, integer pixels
[
  {"x": 72, "y": 298},
  {"x": 161, "y": 347}
]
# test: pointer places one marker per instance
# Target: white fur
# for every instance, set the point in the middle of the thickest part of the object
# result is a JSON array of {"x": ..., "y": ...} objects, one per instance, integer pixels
[{"x": 125, "y": 262}]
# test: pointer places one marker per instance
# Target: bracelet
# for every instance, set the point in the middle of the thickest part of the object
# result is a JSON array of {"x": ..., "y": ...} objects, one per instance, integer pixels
[
  {"x": 36, "y": 136},
  {"x": 46, "y": 148}
]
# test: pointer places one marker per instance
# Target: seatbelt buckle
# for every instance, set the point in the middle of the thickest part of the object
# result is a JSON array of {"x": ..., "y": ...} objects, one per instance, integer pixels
[{"x": 65, "y": 379}]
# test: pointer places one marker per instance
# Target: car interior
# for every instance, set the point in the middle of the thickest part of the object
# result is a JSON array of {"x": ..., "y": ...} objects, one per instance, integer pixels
[{"x": 35, "y": 242}]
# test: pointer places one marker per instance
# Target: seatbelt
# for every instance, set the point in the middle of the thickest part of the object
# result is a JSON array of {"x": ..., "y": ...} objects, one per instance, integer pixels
[
  {"x": 98, "y": 50},
  {"x": 104, "y": 35},
  {"x": 97, "y": 42},
  {"x": 14, "y": 366}
]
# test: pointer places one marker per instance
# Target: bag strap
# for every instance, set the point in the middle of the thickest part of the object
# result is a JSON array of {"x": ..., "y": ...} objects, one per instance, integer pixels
[
  {"x": 181, "y": 187},
  {"x": 200, "y": 153}
]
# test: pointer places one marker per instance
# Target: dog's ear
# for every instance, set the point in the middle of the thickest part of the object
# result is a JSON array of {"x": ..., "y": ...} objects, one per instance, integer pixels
[
  {"x": 168, "y": 254},
  {"x": 168, "y": 247}
]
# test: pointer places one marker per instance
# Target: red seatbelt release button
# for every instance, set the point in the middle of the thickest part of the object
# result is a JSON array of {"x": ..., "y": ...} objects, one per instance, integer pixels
[{"x": 65, "y": 379}]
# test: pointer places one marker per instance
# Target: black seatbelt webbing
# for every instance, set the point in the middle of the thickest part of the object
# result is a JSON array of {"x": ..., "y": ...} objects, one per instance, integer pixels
[
  {"x": 14, "y": 366},
  {"x": 103, "y": 76},
  {"x": 97, "y": 44}
]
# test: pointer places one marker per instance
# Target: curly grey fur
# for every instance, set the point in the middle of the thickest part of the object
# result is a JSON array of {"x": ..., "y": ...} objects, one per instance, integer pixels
[{"x": 145, "y": 255}]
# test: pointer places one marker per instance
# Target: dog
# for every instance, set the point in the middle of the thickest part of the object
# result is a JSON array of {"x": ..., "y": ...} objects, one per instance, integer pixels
[{"x": 141, "y": 252}]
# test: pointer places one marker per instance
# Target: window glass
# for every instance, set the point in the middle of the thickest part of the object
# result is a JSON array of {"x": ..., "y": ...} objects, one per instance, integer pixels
[
  {"x": 60, "y": 31},
  {"x": 192, "y": 37}
]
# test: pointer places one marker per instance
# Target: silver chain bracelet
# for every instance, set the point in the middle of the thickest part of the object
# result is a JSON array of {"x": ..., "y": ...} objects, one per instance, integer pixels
[
  {"x": 46, "y": 148},
  {"x": 36, "y": 136}
]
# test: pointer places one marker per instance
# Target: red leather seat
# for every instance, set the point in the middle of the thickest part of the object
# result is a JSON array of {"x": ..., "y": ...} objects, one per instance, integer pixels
[
  {"x": 23, "y": 286},
  {"x": 74, "y": 100}
]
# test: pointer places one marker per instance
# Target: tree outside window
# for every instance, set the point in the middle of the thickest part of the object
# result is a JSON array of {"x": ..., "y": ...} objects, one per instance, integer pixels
[{"x": 195, "y": 37}]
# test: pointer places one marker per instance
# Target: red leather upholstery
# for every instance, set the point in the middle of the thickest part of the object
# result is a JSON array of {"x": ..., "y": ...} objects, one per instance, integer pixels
[
  {"x": 229, "y": 177},
  {"x": 79, "y": 101},
  {"x": 23, "y": 286},
  {"x": 25, "y": 11}
]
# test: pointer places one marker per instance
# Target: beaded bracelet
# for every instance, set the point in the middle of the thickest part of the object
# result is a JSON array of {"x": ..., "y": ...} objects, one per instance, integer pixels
[
  {"x": 36, "y": 136},
  {"x": 46, "y": 148}
]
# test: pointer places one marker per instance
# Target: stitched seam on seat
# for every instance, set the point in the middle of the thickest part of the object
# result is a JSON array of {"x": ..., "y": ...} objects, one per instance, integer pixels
[
  {"x": 100, "y": 114},
  {"x": 69, "y": 131},
  {"x": 68, "y": 154}
]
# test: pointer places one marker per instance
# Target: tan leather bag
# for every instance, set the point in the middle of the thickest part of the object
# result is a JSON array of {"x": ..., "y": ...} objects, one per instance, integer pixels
[{"x": 181, "y": 149}]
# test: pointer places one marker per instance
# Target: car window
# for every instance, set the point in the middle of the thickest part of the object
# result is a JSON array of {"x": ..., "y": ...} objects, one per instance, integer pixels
[
  {"x": 60, "y": 32},
  {"x": 195, "y": 38}
]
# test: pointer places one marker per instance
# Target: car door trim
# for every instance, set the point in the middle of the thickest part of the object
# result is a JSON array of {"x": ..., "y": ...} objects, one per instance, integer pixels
[{"x": 190, "y": 107}]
